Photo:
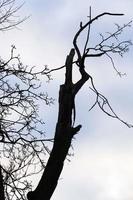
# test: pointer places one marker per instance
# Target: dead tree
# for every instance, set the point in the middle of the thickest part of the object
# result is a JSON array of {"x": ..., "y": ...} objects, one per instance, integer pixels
[
  {"x": 65, "y": 129},
  {"x": 63, "y": 134}
]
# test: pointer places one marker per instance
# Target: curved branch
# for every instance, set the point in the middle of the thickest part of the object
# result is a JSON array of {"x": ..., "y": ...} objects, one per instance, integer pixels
[{"x": 83, "y": 27}]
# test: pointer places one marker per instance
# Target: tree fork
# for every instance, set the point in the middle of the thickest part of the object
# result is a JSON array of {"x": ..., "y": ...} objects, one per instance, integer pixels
[{"x": 63, "y": 134}]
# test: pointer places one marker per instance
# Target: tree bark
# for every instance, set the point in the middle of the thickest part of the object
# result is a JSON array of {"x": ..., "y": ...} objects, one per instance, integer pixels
[
  {"x": 2, "y": 195},
  {"x": 63, "y": 134}
]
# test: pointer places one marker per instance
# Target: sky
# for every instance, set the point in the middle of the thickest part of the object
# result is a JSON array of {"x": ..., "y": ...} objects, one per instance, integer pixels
[{"x": 102, "y": 165}]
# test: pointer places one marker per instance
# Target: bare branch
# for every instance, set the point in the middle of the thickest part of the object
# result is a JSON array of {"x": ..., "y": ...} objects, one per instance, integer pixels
[
  {"x": 83, "y": 27},
  {"x": 22, "y": 136},
  {"x": 7, "y": 15},
  {"x": 105, "y": 102},
  {"x": 88, "y": 34}
]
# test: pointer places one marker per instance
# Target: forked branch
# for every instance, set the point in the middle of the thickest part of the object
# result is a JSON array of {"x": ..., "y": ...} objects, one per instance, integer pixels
[{"x": 103, "y": 48}]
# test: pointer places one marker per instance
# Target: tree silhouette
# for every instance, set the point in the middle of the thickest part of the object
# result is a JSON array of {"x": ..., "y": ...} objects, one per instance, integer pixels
[
  {"x": 22, "y": 137},
  {"x": 65, "y": 129}
]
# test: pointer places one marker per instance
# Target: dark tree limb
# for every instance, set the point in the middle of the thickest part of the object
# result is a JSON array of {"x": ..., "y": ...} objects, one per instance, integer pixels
[
  {"x": 83, "y": 27},
  {"x": 63, "y": 134},
  {"x": 2, "y": 195}
]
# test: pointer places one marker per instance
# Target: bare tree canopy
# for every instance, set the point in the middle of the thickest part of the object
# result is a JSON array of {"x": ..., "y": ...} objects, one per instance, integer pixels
[{"x": 22, "y": 134}]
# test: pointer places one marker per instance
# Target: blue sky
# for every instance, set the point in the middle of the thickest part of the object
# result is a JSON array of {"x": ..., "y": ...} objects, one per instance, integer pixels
[{"x": 101, "y": 168}]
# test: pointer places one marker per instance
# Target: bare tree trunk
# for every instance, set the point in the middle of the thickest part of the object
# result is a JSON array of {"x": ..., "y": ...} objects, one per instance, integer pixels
[
  {"x": 63, "y": 134},
  {"x": 2, "y": 195}
]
